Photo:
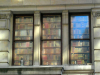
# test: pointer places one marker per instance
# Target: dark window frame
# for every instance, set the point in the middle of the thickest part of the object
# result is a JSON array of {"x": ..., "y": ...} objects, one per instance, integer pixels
[
  {"x": 49, "y": 39},
  {"x": 13, "y": 41},
  {"x": 79, "y": 14}
]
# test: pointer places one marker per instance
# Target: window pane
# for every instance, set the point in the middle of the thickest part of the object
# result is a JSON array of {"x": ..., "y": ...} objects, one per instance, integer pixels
[
  {"x": 79, "y": 27},
  {"x": 23, "y": 50},
  {"x": 23, "y": 28},
  {"x": 80, "y": 52},
  {"x": 51, "y": 27},
  {"x": 51, "y": 53}
]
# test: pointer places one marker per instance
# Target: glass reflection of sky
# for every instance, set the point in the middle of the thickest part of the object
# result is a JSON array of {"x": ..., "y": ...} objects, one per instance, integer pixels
[{"x": 80, "y": 27}]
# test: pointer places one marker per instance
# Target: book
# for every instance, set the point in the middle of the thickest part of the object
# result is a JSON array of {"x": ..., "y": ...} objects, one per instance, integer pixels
[
  {"x": 23, "y": 33},
  {"x": 44, "y": 57}
]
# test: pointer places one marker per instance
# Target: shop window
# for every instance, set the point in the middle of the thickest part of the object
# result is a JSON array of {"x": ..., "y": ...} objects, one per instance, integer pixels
[
  {"x": 80, "y": 46},
  {"x": 51, "y": 39},
  {"x": 23, "y": 40}
]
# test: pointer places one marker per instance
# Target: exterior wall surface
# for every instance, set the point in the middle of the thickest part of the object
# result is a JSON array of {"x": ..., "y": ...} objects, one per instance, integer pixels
[{"x": 36, "y": 7}]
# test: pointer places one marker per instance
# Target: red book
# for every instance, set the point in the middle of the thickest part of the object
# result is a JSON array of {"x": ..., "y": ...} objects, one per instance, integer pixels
[
  {"x": 44, "y": 57},
  {"x": 27, "y": 44}
]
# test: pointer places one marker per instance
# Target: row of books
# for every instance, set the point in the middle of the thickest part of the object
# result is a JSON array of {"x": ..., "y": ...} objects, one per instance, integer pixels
[
  {"x": 23, "y": 38},
  {"x": 25, "y": 57},
  {"x": 79, "y": 18},
  {"x": 24, "y": 26},
  {"x": 78, "y": 36},
  {"x": 80, "y": 49},
  {"x": 24, "y": 44},
  {"x": 80, "y": 24},
  {"x": 23, "y": 51},
  {"x": 51, "y": 37},
  {"x": 84, "y": 62},
  {"x": 46, "y": 62},
  {"x": 79, "y": 43},
  {"x": 51, "y": 51},
  {"x": 51, "y": 57},
  {"x": 26, "y": 63},
  {"x": 51, "y": 25},
  {"x": 52, "y": 32},
  {"x": 51, "y": 44},
  {"x": 51, "y": 19},
  {"x": 80, "y": 31},
  {"x": 24, "y": 20},
  {"x": 79, "y": 56},
  {"x": 23, "y": 32}
]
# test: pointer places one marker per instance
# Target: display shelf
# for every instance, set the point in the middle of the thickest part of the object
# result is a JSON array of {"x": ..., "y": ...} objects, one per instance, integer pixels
[
  {"x": 24, "y": 29},
  {"x": 79, "y": 52},
  {"x": 80, "y": 34},
  {"x": 24, "y": 60},
  {"x": 51, "y": 47},
  {"x": 79, "y": 59},
  {"x": 80, "y": 46},
  {"x": 24, "y": 22},
  {"x": 79, "y": 28},
  {"x": 50, "y": 28},
  {"x": 50, "y": 53}
]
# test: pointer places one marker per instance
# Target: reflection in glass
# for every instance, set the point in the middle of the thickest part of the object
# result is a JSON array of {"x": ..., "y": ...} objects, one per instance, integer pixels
[
  {"x": 51, "y": 53},
  {"x": 23, "y": 50},
  {"x": 79, "y": 27}
]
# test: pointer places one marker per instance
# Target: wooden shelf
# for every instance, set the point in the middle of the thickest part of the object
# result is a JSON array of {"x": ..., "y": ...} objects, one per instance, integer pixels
[
  {"x": 24, "y": 22},
  {"x": 23, "y": 47},
  {"x": 80, "y": 27},
  {"x": 50, "y": 28},
  {"x": 51, "y": 60},
  {"x": 23, "y": 54},
  {"x": 51, "y": 54},
  {"x": 22, "y": 29},
  {"x": 51, "y": 22},
  {"x": 80, "y": 52},
  {"x": 24, "y": 60},
  {"x": 79, "y": 59},
  {"x": 51, "y": 47},
  {"x": 80, "y": 34},
  {"x": 80, "y": 46}
]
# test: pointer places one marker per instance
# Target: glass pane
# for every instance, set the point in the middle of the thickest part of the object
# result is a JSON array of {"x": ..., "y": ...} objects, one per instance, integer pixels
[
  {"x": 51, "y": 53},
  {"x": 80, "y": 52},
  {"x": 23, "y": 50},
  {"x": 79, "y": 27},
  {"x": 51, "y": 27},
  {"x": 24, "y": 28}
]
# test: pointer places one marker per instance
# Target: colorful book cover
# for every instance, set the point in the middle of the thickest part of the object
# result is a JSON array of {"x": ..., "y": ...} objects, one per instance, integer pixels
[
  {"x": 27, "y": 44},
  {"x": 44, "y": 57}
]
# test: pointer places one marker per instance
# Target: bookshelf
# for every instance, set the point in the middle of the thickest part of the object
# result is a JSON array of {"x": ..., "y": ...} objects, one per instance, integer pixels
[
  {"x": 51, "y": 39},
  {"x": 23, "y": 40},
  {"x": 24, "y": 28},
  {"x": 79, "y": 39},
  {"x": 51, "y": 27}
]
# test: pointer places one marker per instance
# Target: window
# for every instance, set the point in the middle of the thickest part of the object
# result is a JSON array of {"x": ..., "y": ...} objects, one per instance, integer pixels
[
  {"x": 23, "y": 40},
  {"x": 80, "y": 38},
  {"x": 51, "y": 39}
]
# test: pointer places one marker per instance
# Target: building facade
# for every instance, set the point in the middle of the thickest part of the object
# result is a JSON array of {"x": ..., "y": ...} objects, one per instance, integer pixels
[{"x": 49, "y": 37}]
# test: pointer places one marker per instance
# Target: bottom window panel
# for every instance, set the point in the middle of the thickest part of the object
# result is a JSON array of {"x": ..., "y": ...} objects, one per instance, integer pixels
[
  {"x": 23, "y": 53},
  {"x": 80, "y": 52},
  {"x": 51, "y": 53}
]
